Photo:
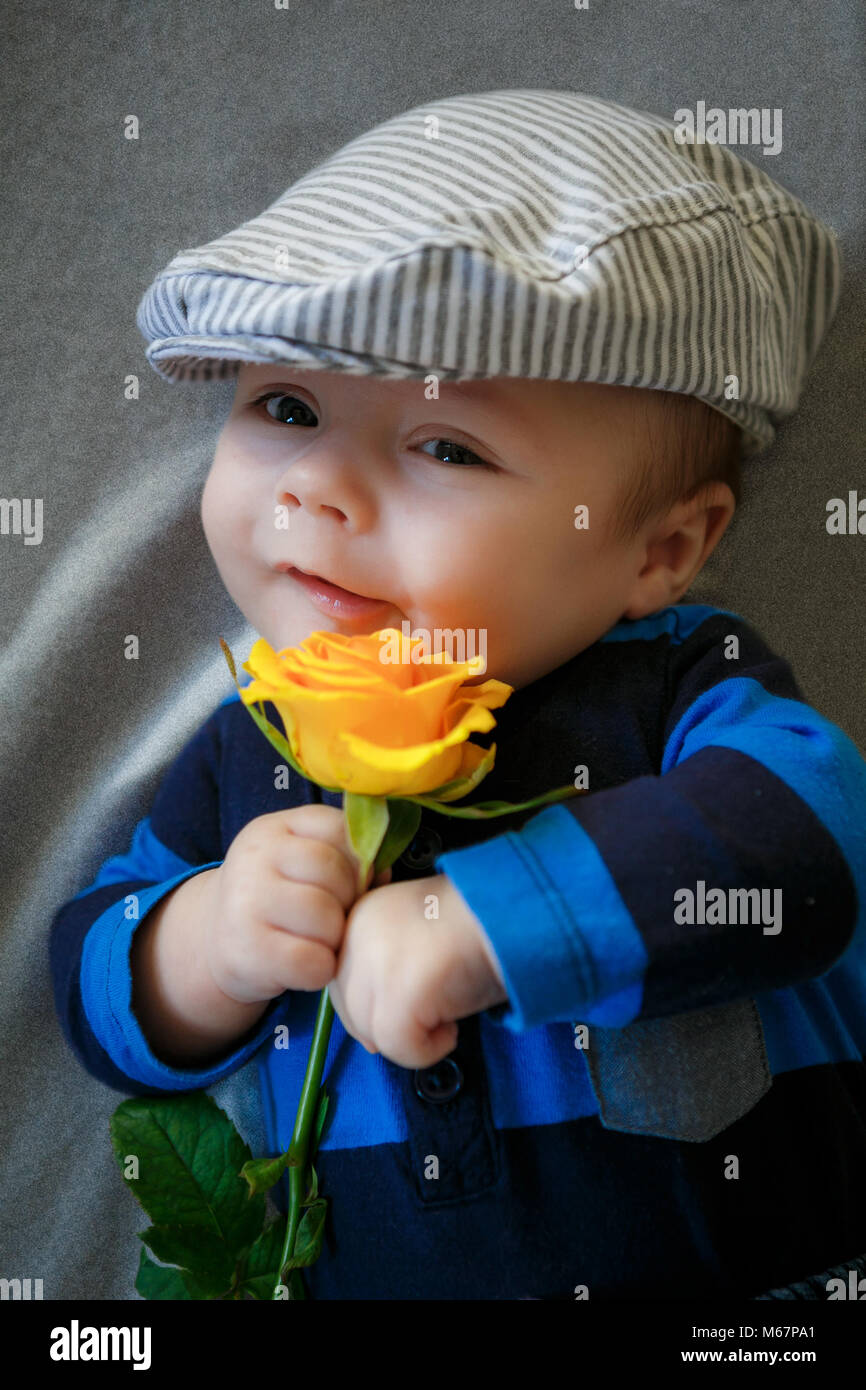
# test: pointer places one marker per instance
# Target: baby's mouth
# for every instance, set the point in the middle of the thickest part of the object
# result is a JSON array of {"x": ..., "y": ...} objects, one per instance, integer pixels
[{"x": 332, "y": 598}]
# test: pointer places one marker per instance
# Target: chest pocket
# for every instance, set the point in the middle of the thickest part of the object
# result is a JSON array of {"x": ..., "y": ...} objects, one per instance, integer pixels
[{"x": 688, "y": 1076}]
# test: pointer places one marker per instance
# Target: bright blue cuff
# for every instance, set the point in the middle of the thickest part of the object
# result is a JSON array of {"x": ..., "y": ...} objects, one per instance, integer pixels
[
  {"x": 566, "y": 944},
  {"x": 106, "y": 989}
]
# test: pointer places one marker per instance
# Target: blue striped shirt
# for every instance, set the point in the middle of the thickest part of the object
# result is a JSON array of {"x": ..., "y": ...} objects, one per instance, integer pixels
[{"x": 569, "y": 1155}]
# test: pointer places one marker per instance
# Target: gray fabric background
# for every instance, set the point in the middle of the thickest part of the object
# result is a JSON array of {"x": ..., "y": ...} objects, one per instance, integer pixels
[{"x": 235, "y": 100}]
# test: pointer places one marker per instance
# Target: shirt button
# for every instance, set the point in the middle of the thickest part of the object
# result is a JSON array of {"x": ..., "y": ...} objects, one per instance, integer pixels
[
  {"x": 423, "y": 849},
  {"x": 439, "y": 1083}
]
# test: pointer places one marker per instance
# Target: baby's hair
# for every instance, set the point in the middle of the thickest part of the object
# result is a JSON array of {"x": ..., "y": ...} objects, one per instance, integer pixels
[{"x": 688, "y": 445}]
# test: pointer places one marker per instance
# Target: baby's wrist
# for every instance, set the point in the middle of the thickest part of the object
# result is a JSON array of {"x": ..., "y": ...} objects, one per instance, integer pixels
[
  {"x": 182, "y": 1011},
  {"x": 455, "y": 907}
]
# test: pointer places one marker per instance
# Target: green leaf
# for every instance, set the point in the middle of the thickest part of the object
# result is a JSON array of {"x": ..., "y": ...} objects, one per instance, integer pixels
[
  {"x": 262, "y": 1173},
  {"x": 311, "y": 1231},
  {"x": 483, "y": 810},
  {"x": 189, "y": 1158},
  {"x": 367, "y": 821},
  {"x": 197, "y": 1251},
  {"x": 404, "y": 817},
  {"x": 152, "y": 1281},
  {"x": 258, "y": 1273},
  {"x": 156, "y": 1282},
  {"x": 313, "y": 1189}
]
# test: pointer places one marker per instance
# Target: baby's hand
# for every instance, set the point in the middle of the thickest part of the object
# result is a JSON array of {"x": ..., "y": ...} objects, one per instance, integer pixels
[
  {"x": 279, "y": 903},
  {"x": 404, "y": 979}
]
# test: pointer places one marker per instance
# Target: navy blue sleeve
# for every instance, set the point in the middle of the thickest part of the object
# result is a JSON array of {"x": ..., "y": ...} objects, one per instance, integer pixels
[
  {"x": 740, "y": 867},
  {"x": 91, "y": 934}
]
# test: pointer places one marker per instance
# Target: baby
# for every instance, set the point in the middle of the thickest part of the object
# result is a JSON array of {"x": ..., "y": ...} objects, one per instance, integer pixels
[{"x": 497, "y": 362}]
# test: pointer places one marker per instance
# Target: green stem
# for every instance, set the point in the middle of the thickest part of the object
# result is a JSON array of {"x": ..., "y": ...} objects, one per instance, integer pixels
[
  {"x": 304, "y": 1121},
  {"x": 308, "y": 1106}
]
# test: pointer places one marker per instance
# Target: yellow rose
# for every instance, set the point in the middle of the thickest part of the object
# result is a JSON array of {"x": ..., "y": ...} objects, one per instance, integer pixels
[{"x": 373, "y": 727}]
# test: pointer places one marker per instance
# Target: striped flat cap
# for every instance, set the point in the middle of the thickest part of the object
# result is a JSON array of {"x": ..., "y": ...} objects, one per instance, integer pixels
[{"x": 519, "y": 233}]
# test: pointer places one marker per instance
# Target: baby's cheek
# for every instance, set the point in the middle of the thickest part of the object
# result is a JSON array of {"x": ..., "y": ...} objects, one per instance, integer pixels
[{"x": 212, "y": 510}]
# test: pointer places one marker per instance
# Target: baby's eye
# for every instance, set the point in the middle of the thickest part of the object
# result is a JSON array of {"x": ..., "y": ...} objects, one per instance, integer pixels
[
  {"x": 297, "y": 412},
  {"x": 291, "y": 410},
  {"x": 455, "y": 453}
]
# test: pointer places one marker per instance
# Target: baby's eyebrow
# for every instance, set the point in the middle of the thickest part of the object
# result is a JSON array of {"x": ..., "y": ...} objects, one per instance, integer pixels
[
  {"x": 248, "y": 370},
  {"x": 476, "y": 392},
  {"x": 491, "y": 399},
  {"x": 509, "y": 425}
]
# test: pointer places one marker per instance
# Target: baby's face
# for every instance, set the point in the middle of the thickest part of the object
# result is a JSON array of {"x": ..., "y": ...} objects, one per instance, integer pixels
[{"x": 457, "y": 513}]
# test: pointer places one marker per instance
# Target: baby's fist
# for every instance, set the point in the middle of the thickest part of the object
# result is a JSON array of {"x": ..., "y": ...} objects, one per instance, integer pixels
[{"x": 403, "y": 979}]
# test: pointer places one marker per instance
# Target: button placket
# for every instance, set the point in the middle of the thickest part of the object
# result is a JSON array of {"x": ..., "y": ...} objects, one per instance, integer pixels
[
  {"x": 448, "y": 1112},
  {"x": 441, "y": 1082}
]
